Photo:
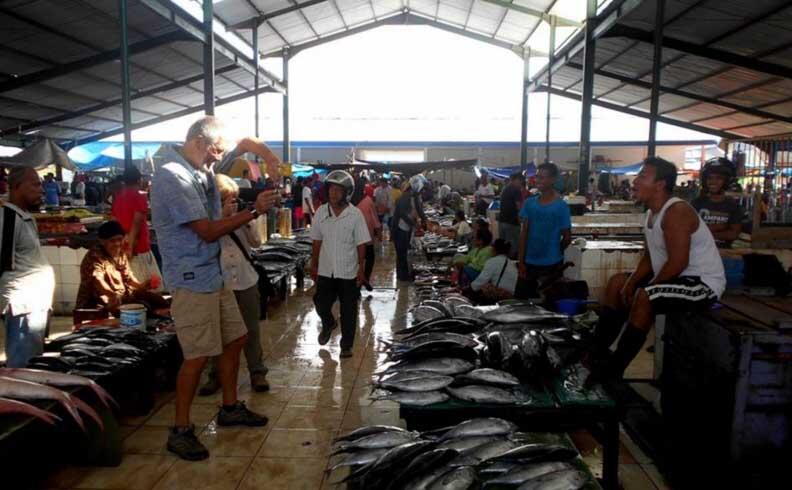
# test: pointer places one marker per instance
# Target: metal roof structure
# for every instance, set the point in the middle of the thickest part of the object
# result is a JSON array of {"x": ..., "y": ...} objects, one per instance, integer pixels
[
  {"x": 726, "y": 65},
  {"x": 60, "y": 74}
]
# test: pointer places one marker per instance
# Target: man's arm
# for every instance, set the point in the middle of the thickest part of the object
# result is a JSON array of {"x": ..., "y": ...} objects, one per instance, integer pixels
[
  {"x": 486, "y": 275},
  {"x": 257, "y": 147},
  {"x": 134, "y": 231},
  {"x": 361, "y": 274},
  {"x": 316, "y": 247},
  {"x": 566, "y": 238},
  {"x": 211, "y": 231},
  {"x": 679, "y": 224},
  {"x": 727, "y": 232}
]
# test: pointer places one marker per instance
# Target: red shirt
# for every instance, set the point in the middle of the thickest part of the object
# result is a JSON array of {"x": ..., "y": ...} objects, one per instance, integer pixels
[{"x": 126, "y": 203}]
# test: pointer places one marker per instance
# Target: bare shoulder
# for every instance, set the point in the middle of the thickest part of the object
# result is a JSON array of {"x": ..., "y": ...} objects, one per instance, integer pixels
[{"x": 680, "y": 216}]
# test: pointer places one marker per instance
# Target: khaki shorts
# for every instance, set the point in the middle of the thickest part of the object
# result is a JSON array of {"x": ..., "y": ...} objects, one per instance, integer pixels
[{"x": 205, "y": 322}]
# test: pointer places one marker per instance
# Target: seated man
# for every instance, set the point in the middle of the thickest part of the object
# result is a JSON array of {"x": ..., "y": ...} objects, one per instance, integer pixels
[
  {"x": 470, "y": 265},
  {"x": 681, "y": 269},
  {"x": 106, "y": 280},
  {"x": 498, "y": 278},
  {"x": 721, "y": 213}
]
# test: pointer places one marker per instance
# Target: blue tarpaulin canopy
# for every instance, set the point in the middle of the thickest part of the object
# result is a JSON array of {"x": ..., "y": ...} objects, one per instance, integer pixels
[
  {"x": 627, "y": 170},
  {"x": 108, "y": 154},
  {"x": 505, "y": 172}
]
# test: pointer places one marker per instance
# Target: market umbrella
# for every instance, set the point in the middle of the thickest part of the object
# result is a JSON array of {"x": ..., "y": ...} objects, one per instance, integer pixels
[{"x": 40, "y": 154}]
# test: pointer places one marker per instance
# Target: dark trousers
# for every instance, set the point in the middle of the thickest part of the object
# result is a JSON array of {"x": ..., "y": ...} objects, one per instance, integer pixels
[
  {"x": 401, "y": 241},
  {"x": 347, "y": 292},
  {"x": 369, "y": 261}
]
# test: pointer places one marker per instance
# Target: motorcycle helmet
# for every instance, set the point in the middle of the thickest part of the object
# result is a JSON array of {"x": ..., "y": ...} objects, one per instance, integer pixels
[
  {"x": 722, "y": 166},
  {"x": 342, "y": 178}
]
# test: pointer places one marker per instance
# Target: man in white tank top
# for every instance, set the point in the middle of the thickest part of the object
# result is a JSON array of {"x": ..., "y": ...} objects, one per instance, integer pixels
[{"x": 681, "y": 269}]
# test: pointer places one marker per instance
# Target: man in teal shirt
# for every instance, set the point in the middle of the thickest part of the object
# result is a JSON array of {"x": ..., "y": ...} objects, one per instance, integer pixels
[{"x": 546, "y": 227}]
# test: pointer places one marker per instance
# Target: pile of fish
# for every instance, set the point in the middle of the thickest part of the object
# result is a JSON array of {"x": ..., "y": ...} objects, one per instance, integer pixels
[
  {"x": 18, "y": 386},
  {"x": 479, "y": 453},
  {"x": 437, "y": 244},
  {"x": 495, "y": 358},
  {"x": 439, "y": 302},
  {"x": 283, "y": 256},
  {"x": 96, "y": 352}
]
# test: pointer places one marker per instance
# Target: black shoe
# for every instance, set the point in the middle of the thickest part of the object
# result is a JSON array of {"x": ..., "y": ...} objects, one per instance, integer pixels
[
  {"x": 346, "y": 353},
  {"x": 258, "y": 381},
  {"x": 183, "y": 443},
  {"x": 324, "y": 335},
  {"x": 240, "y": 415},
  {"x": 368, "y": 287}
]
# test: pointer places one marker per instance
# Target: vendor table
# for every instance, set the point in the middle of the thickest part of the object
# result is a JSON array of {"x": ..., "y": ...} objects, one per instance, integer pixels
[{"x": 549, "y": 409}]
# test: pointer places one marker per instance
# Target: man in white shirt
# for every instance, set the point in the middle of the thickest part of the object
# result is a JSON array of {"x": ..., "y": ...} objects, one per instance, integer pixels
[
  {"x": 27, "y": 281},
  {"x": 339, "y": 235},
  {"x": 485, "y": 194},
  {"x": 307, "y": 201}
]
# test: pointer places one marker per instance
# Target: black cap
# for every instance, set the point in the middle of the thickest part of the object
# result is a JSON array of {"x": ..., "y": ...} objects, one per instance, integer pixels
[{"x": 109, "y": 230}]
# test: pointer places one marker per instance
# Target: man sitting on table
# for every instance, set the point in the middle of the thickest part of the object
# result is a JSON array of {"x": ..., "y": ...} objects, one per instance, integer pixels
[
  {"x": 681, "y": 269},
  {"x": 106, "y": 278}
]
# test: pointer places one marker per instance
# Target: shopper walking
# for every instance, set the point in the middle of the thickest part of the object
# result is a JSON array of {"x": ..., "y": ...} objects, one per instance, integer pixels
[
  {"x": 186, "y": 211},
  {"x": 339, "y": 235},
  {"x": 27, "y": 281},
  {"x": 131, "y": 209},
  {"x": 240, "y": 276},
  {"x": 366, "y": 206},
  {"x": 405, "y": 220},
  {"x": 508, "y": 216},
  {"x": 383, "y": 199}
]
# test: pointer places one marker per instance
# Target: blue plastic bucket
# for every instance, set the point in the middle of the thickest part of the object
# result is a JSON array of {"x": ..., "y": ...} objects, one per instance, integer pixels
[
  {"x": 572, "y": 306},
  {"x": 133, "y": 316}
]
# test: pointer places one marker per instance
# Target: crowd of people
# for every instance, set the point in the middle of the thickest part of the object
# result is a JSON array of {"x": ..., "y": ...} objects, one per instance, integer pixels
[{"x": 205, "y": 233}]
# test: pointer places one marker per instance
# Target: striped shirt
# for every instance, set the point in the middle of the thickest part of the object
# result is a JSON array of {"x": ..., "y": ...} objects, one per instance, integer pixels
[{"x": 340, "y": 236}]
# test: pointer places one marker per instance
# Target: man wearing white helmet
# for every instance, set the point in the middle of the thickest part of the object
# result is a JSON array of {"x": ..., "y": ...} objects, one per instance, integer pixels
[{"x": 339, "y": 235}]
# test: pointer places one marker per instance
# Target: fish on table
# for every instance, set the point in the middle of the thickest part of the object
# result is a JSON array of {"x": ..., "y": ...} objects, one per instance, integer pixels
[{"x": 18, "y": 389}]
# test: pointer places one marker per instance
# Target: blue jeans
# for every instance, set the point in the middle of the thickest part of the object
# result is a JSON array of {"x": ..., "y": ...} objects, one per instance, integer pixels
[{"x": 25, "y": 337}]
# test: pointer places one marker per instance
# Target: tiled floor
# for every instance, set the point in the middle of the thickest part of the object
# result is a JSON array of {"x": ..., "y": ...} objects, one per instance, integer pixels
[{"x": 314, "y": 396}]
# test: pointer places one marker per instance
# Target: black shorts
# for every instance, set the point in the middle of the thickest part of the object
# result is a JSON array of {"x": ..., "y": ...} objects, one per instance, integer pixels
[{"x": 684, "y": 293}]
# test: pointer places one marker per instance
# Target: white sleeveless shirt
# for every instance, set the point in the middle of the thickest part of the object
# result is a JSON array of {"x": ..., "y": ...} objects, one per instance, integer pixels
[{"x": 704, "y": 260}]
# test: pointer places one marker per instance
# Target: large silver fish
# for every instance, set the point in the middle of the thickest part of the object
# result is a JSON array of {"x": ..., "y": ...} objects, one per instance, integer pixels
[
  {"x": 465, "y": 443},
  {"x": 558, "y": 480},
  {"x": 415, "y": 399},
  {"x": 521, "y": 314},
  {"x": 485, "y": 452},
  {"x": 367, "y": 431},
  {"x": 58, "y": 379},
  {"x": 447, "y": 366},
  {"x": 521, "y": 474},
  {"x": 457, "y": 479},
  {"x": 420, "y": 383},
  {"x": 13, "y": 406},
  {"x": 488, "y": 426},
  {"x": 423, "y": 313},
  {"x": 423, "y": 464},
  {"x": 483, "y": 394},
  {"x": 488, "y": 376},
  {"x": 358, "y": 459},
  {"x": 382, "y": 440},
  {"x": 25, "y": 390}
]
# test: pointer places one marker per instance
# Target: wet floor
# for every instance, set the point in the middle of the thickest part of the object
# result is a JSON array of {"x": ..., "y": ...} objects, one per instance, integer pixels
[{"x": 314, "y": 397}]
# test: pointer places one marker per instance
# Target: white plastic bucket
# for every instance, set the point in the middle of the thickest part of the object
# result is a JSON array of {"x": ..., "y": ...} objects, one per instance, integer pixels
[{"x": 133, "y": 316}]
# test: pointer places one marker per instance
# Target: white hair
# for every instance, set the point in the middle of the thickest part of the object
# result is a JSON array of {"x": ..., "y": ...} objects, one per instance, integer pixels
[{"x": 210, "y": 128}]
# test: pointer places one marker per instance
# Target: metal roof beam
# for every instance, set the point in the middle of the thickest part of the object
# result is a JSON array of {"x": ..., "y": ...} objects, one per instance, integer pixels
[
  {"x": 248, "y": 24},
  {"x": 684, "y": 93},
  {"x": 638, "y": 113},
  {"x": 89, "y": 62},
  {"x": 173, "y": 115},
  {"x": 561, "y": 21},
  {"x": 703, "y": 51},
  {"x": 192, "y": 26}
]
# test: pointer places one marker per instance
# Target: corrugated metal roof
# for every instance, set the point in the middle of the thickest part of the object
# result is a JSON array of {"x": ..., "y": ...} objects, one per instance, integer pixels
[{"x": 696, "y": 88}]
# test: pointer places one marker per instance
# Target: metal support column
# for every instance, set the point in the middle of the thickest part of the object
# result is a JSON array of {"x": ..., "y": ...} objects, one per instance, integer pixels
[
  {"x": 286, "y": 140},
  {"x": 126, "y": 104},
  {"x": 526, "y": 81},
  {"x": 550, "y": 61},
  {"x": 584, "y": 155},
  {"x": 654, "y": 104},
  {"x": 208, "y": 58},
  {"x": 256, "y": 60}
]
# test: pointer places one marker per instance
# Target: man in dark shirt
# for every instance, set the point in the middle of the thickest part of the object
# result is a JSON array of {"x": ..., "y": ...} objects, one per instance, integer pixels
[
  {"x": 508, "y": 217},
  {"x": 722, "y": 214}
]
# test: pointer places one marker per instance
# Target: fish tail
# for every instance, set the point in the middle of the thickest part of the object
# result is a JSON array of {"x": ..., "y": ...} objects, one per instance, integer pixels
[
  {"x": 81, "y": 405},
  {"x": 103, "y": 395},
  {"x": 73, "y": 412}
]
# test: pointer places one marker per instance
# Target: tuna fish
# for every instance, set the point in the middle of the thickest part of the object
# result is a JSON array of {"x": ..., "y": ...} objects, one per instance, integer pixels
[
  {"x": 421, "y": 383},
  {"x": 521, "y": 314},
  {"x": 358, "y": 459},
  {"x": 488, "y": 376},
  {"x": 558, "y": 480},
  {"x": 448, "y": 366},
  {"x": 381, "y": 440},
  {"x": 464, "y": 443},
  {"x": 415, "y": 399},
  {"x": 367, "y": 431},
  {"x": 483, "y": 394},
  {"x": 422, "y": 464},
  {"x": 457, "y": 479},
  {"x": 58, "y": 379},
  {"x": 14, "y": 406},
  {"x": 25, "y": 390},
  {"x": 521, "y": 474},
  {"x": 480, "y": 427},
  {"x": 485, "y": 452}
]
